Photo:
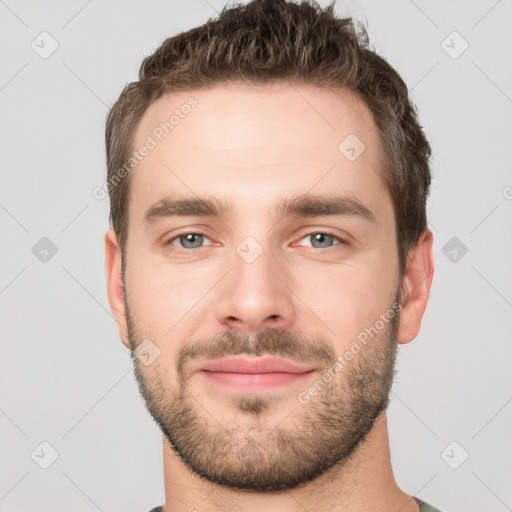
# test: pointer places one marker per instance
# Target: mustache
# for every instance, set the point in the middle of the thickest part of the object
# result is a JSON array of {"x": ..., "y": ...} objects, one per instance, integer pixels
[{"x": 276, "y": 342}]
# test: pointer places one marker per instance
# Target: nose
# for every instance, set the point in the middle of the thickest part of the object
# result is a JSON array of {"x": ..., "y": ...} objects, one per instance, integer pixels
[{"x": 256, "y": 295}]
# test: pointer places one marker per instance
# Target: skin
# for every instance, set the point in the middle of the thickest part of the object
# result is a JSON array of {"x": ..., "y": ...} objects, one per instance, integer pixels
[{"x": 253, "y": 146}]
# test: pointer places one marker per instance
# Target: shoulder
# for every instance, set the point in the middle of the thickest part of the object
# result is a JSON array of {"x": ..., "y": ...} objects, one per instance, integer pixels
[{"x": 424, "y": 507}]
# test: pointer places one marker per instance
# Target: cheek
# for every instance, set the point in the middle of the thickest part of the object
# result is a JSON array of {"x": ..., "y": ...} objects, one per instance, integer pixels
[
  {"x": 162, "y": 295},
  {"x": 336, "y": 299},
  {"x": 346, "y": 299}
]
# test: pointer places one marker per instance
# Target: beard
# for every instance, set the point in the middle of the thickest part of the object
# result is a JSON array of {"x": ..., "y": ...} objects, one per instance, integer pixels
[{"x": 246, "y": 450}]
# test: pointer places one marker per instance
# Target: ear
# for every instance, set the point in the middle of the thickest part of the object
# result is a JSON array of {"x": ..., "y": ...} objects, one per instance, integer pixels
[
  {"x": 115, "y": 284},
  {"x": 415, "y": 289}
]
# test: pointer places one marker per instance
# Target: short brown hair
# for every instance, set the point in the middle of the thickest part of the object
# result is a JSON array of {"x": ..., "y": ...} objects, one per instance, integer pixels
[{"x": 270, "y": 40}]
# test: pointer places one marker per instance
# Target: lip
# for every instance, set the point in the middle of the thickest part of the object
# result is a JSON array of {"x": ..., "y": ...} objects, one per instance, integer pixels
[
  {"x": 254, "y": 365},
  {"x": 253, "y": 374}
]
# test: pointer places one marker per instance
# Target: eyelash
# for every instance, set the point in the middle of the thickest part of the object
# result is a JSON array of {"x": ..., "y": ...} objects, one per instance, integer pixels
[{"x": 311, "y": 233}]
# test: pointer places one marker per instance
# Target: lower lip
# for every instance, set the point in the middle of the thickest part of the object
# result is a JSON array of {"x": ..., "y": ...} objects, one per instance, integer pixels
[{"x": 255, "y": 380}]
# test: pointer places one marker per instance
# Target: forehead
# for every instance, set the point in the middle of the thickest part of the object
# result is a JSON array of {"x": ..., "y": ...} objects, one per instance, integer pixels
[{"x": 242, "y": 138}]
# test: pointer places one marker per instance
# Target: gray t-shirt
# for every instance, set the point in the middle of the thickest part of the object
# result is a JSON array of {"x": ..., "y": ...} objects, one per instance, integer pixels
[{"x": 424, "y": 507}]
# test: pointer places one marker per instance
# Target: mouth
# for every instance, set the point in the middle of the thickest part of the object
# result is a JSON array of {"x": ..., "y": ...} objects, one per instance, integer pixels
[{"x": 254, "y": 373}]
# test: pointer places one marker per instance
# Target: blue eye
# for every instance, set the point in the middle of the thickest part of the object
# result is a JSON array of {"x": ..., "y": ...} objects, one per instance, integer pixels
[
  {"x": 195, "y": 240},
  {"x": 323, "y": 239},
  {"x": 188, "y": 240}
]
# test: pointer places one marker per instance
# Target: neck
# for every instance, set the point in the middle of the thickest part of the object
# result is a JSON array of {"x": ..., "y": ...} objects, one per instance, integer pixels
[{"x": 364, "y": 482}]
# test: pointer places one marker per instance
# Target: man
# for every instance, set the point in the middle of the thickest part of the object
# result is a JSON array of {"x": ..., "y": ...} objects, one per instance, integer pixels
[{"x": 268, "y": 181}]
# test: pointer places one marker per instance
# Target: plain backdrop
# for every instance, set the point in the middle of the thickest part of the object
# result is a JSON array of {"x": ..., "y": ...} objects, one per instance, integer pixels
[{"x": 68, "y": 397}]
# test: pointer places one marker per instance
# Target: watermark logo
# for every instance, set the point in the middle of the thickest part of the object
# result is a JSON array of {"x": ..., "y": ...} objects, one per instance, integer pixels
[
  {"x": 249, "y": 249},
  {"x": 454, "y": 249},
  {"x": 44, "y": 250},
  {"x": 351, "y": 147},
  {"x": 156, "y": 136},
  {"x": 454, "y": 455},
  {"x": 147, "y": 352},
  {"x": 44, "y": 45},
  {"x": 304, "y": 397},
  {"x": 454, "y": 45},
  {"x": 44, "y": 455}
]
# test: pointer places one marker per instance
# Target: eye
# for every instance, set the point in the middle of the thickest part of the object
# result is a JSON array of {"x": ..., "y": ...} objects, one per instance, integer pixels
[
  {"x": 323, "y": 240},
  {"x": 187, "y": 241},
  {"x": 194, "y": 240}
]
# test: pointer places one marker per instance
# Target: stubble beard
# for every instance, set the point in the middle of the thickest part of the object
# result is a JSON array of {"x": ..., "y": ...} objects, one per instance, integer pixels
[{"x": 256, "y": 448}]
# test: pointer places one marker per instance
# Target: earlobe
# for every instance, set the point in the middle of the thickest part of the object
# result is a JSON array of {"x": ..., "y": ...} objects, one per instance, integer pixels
[
  {"x": 416, "y": 285},
  {"x": 115, "y": 284}
]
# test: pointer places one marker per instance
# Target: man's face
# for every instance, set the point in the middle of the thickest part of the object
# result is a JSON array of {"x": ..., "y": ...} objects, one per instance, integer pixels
[{"x": 259, "y": 282}]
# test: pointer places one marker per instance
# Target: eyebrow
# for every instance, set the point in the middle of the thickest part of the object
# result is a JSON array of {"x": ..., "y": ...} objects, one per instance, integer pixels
[{"x": 301, "y": 206}]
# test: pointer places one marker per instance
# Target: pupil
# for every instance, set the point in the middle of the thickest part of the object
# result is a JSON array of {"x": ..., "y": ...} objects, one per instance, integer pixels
[
  {"x": 189, "y": 239},
  {"x": 321, "y": 237}
]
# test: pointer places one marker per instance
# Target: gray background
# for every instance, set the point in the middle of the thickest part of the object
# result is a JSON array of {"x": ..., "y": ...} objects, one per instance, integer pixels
[{"x": 66, "y": 379}]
